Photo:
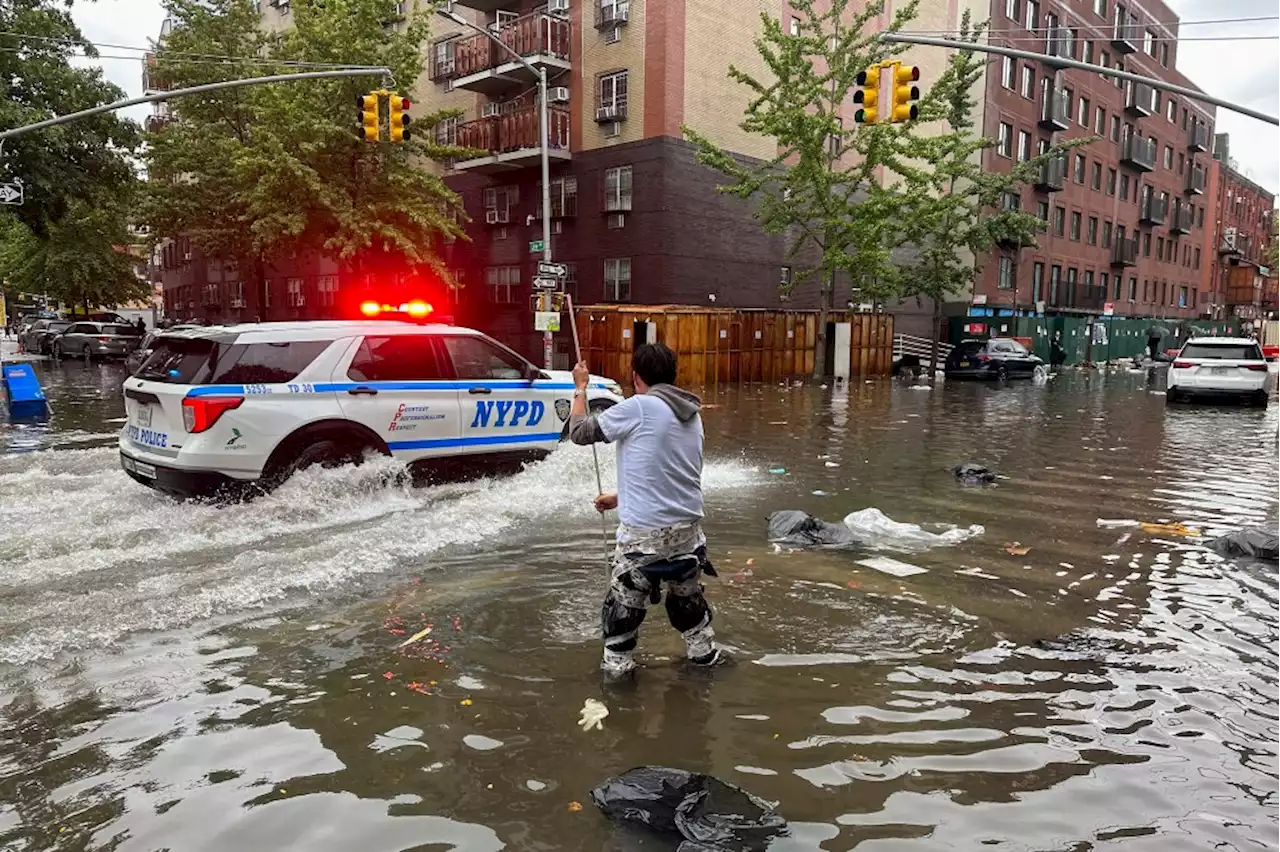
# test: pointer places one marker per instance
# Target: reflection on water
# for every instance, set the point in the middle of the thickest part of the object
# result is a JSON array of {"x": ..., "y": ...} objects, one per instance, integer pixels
[{"x": 187, "y": 677}]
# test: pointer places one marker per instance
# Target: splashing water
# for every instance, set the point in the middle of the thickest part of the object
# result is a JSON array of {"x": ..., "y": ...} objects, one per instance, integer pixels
[{"x": 80, "y": 537}]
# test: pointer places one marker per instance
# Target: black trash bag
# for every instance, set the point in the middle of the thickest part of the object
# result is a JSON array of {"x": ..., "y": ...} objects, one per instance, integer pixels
[
  {"x": 1250, "y": 543},
  {"x": 791, "y": 526},
  {"x": 709, "y": 814},
  {"x": 973, "y": 474}
]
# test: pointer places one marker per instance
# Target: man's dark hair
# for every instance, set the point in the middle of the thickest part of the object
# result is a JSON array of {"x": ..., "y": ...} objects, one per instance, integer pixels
[{"x": 655, "y": 364}]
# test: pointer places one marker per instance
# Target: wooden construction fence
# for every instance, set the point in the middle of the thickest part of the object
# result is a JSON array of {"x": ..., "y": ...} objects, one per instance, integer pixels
[{"x": 729, "y": 346}]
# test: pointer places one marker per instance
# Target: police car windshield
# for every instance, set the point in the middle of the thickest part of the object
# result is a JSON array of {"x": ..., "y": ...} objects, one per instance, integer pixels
[{"x": 210, "y": 361}]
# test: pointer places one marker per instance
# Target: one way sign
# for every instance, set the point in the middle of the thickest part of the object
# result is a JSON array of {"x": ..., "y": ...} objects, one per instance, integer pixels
[{"x": 11, "y": 193}]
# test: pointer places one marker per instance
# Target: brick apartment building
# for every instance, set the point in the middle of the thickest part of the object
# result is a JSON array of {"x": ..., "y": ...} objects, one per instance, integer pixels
[
  {"x": 1126, "y": 214},
  {"x": 1239, "y": 284}
]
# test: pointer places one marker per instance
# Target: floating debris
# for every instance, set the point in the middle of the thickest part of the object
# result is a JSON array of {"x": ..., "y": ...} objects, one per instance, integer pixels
[
  {"x": 593, "y": 714},
  {"x": 1014, "y": 548}
]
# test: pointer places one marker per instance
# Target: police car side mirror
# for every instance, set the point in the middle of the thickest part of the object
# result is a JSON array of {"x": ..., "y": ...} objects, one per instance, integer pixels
[{"x": 531, "y": 373}]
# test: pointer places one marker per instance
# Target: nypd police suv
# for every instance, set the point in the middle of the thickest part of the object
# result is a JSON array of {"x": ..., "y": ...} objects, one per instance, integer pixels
[{"x": 214, "y": 408}]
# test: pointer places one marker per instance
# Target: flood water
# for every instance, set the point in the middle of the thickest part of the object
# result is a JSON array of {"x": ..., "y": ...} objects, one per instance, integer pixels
[{"x": 190, "y": 677}]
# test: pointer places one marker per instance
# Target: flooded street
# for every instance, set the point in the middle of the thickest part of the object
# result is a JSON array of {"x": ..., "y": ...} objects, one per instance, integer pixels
[{"x": 193, "y": 677}]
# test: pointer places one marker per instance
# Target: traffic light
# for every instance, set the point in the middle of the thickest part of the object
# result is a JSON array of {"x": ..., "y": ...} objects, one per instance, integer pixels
[
  {"x": 368, "y": 124},
  {"x": 867, "y": 95},
  {"x": 398, "y": 113},
  {"x": 902, "y": 108}
]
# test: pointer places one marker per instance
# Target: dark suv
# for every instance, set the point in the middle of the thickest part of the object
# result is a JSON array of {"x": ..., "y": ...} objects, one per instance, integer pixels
[{"x": 997, "y": 358}]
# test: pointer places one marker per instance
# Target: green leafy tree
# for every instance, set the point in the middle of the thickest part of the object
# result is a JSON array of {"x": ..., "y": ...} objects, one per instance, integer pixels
[
  {"x": 954, "y": 211},
  {"x": 274, "y": 171},
  {"x": 821, "y": 189},
  {"x": 74, "y": 175}
]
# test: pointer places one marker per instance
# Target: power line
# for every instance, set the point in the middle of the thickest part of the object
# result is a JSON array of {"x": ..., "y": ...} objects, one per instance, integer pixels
[{"x": 999, "y": 34}]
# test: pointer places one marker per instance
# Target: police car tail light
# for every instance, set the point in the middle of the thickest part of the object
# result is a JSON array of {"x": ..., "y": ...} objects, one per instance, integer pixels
[{"x": 201, "y": 412}]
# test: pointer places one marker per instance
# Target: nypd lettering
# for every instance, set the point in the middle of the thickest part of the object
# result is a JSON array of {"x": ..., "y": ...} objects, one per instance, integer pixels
[
  {"x": 407, "y": 417},
  {"x": 505, "y": 413}
]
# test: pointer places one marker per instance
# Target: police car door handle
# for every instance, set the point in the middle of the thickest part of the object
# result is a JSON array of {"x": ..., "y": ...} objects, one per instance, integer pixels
[
  {"x": 479, "y": 390},
  {"x": 362, "y": 390}
]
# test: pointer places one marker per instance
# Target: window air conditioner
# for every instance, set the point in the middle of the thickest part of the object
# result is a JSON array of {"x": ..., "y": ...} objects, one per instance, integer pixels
[
  {"x": 558, "y": 95},
  {"x": 558, "y": 7},
  {"x": 490, "y": 110},
  {"x": 615, "y": 220},
  {"x": 607, "y": 113}
]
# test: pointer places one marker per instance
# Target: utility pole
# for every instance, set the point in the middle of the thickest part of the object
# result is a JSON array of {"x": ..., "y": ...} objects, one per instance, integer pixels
[{"x": 1058, "y": 61}]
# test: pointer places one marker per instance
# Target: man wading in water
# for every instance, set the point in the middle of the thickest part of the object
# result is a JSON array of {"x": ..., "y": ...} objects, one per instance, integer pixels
[{"x": 659, "y": 501}]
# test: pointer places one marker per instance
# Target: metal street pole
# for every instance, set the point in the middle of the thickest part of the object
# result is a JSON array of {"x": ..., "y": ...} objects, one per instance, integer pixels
[
  {"x": 955, "y": 44},
  {"x": 544, "y": 133},
  {"x": 193, "y": 90}
]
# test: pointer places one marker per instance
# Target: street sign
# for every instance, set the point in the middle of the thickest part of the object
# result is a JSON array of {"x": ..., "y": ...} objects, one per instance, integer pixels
[
  {"x": 1108, "y": 309},
  {"x": 552, "y": 270},
  {"x": 11, "y": 193},
  {"x": 536, "y": 246},
  {"x": 545, "y": 284},
  {"x": 546, "y": 321}
]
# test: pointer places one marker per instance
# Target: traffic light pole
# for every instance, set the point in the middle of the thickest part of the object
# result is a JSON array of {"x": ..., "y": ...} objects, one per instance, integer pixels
[
  {"x": 1058, "y": 61},
  {"x": 193, "y": 90},
  {"x": 544, "y": 133}
]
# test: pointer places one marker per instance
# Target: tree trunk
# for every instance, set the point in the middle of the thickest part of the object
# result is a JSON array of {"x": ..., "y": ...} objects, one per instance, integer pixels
[
  {"x": 824, "y": 308},
  {"x": 937, "y": 337}
]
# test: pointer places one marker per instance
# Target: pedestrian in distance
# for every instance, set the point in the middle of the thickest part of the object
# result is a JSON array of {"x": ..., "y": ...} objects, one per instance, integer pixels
[
  {"x": 660, "y": 543},
  {"x": 142, "y": 326},
  {"x": 1155, "y": 333},
  {"x": 1057, "y": 353}
]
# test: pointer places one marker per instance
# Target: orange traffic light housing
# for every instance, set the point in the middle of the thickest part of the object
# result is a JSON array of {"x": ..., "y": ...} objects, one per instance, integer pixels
[
  {"x": 904, "y": 92},
  {"x": 867, "y": 95},
  {"x": 367, "y": 126},
  {"x": 399, "y": 119}
]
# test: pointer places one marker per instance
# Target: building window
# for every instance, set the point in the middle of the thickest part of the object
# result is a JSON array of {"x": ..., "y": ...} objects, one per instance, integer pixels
[
  {"x": 1006, "y": 273},
  {"x": 611, "y": 95},
  {"x": 327, "y": 290},
  {"x": 1164, "y": 54},
  {"x": 564, "y": 198},
  {"x": 1185, "y": 116},
  {"x": 1079, "y": 169},
  {"x": 1112, "y": 176},
  {"x": 617, "y": 279},
  {"x": 1073, "y": 38},
  {"x": 1011, "y": 9},
  {"x": 617, "y": 189},
  {"x": 498, "y": 201},
  {"x": 1124, "y": 187},
  {"x": 1182, "y": 164},
  {"x": 795, "y": 26},
  {"x": 447, "y": 131},
  {"x": 1092, "y": 233},
  {"x": 1149, "y": 43},
  {"x": 1082, "y": 114},
  {"x": 1171, "y": 110},
  {"x": 296, "y": 297},
  {"x": 503, "y": 283},
  {"x": 1133, "y": 289},
  {"x": 1037, "y": 281},
  {"x": 1028, "y": 81},
  {"x": 1160, "y": 249},
  {"x": 1099, "y": 121},
  {"x": 1095, "y": 179},
  {"x": 1042, "y": 211},
  {"x": 1104, "y": 59},
  {"x": 1071, "y": 287},
  {"x": 1146, "y": 244},
  {"x": 1106, "y": 235},
  {"x": 1075, "y": 227},
  {"x": 1004, "y": 142},
  {"x": 1024, "y": 146},
  {"x": 1059, "y": 221},
  {"x": 1055, "y": 279},
  {"x": 1086, "y": 52},
  {"x": 1032, "y": 16},
  {"x": 1010, "y": 201},
  {"x": 1008, "y": 72},
  {"x": 1197, "y": 257},
  {"x": 1200, "y": 217},
  {"x": 1069, "y": 98},
  {"x": 1168, "y": 156},
  {"x": 1100, "y": 8},
  {"x": 1115, "y": 128}
]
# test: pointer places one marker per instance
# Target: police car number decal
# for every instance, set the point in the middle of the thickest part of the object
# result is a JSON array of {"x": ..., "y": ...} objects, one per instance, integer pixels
[
  {"x": 257, "y": 390},
  {"x": 530, "y": 412},
  {"x": 147, "y": 437}
]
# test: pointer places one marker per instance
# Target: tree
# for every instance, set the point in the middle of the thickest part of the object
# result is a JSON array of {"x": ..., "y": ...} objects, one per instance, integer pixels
[
  {"x": 63, "y": 239},
  {"x": 821, "y": 188},
  {"x": 270, "y": 172},
  {"x": 955, "y": 211}
]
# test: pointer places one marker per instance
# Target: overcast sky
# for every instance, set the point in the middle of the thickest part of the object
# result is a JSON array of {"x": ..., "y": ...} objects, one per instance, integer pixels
[{"x": 1244, "y": 72}]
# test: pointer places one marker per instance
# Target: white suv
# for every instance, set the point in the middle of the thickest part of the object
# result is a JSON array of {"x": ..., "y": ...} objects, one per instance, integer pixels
[
  {"x": 214, "y": 408},
  {"x": 1219, "y": 366}
]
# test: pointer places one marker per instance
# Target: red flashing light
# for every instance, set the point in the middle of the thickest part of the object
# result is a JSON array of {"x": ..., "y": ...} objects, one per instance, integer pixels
[
  {"x": 370, "y": 309},
  {"x": 199, "y": 413},
  {"x": 415, "y": 309}
]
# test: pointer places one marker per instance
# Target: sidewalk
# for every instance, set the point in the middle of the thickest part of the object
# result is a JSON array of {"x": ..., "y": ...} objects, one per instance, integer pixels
[{"x": 9, "y": 353}]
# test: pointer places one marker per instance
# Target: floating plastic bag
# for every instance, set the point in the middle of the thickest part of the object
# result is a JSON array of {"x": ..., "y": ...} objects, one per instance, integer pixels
[
  {"x": 800, "y": 529},
  {"x": 707, "y": 812},
  {"x": 877, "y": 530},
  {"x": 1249, "y": 543},
  {"x": 593, "y": 715}
]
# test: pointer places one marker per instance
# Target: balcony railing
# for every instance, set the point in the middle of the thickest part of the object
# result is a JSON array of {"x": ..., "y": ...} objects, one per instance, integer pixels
[
  {"x": 1126, "y": 35},
  {"x": 152, "y": 80},
  {"x": 1053, "y": 175},
  {"x": 1139, "y": 99},
  {"x": 1138, "y": 152},
  {"x": 1183, "y": 215},
  {"x": 508, "y": 136},
  {"x": 1055, "y": 109},
  {"x": 1195, "y": 181},
  {"x": 1153, "y": 211},
  {"x": 1198, "y": 138},
  {"x": 538, "y": 34},
  {"x": 1233, "y": 243},
  {"x": 1125, "y": 252}
]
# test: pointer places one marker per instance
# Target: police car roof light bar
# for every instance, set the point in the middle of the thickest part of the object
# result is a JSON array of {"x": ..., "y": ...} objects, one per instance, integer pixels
[{"x": 416, "y": 309}]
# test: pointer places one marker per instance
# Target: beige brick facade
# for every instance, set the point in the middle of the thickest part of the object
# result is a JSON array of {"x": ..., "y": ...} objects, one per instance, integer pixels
[
  {"x": 717, "y": 35},
  {"x": 594, "y": 56}
]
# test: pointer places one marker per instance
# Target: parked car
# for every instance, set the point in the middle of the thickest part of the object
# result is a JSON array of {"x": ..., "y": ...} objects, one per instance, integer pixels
[
  {"x": 1221, "y": 367},
  {"x": 40, "y": 334},
  {"x": 145, "y": 348},
  {"x": 96, "y": 340},
  {"x": 997, "y": 358}
]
